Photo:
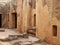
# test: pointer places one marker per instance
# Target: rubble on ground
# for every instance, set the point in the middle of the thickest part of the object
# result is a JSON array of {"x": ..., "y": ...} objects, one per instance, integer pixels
[{"x": 9, "y": 37}]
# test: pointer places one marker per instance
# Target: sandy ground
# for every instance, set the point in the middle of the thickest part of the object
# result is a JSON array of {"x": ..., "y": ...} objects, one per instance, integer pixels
[{"x": 7, "y": 33}]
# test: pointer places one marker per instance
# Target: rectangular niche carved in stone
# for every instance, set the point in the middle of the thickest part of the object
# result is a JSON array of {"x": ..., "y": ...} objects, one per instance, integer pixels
[{"x": 54, "y": 30}]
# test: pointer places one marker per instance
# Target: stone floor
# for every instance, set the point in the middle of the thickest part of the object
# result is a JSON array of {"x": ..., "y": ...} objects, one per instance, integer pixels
[{"x": 17, "y": 39}]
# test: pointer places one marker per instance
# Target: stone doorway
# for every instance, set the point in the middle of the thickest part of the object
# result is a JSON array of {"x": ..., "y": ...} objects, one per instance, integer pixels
[{"x": 14, "y": 19}]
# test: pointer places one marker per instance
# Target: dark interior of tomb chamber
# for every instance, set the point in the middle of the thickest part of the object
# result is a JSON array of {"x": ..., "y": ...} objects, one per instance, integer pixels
[{"x": 15, "y": 19}]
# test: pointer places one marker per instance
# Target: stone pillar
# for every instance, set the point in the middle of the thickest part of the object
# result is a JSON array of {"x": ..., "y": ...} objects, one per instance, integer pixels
[
  {"x": 19, "y": 15},
  {"x": 10, "y": 21},
  {"x": 10, "y": 17},
  {"x": 26, "y": 15},
  {"x": 39, "y": 13},
  {"x": 42, "y": 19},
  {"x": 4, "y": 21}
]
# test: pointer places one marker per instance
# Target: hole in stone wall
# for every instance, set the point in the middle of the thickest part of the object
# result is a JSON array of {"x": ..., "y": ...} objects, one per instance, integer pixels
[{"x": 54, "y": 30}]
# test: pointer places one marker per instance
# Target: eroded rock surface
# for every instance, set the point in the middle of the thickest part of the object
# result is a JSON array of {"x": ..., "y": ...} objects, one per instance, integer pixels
[{"x": 11, "y": 37}]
